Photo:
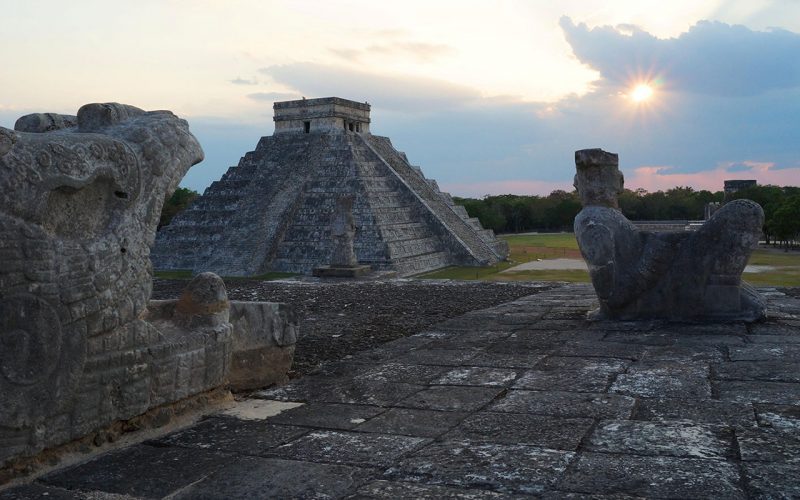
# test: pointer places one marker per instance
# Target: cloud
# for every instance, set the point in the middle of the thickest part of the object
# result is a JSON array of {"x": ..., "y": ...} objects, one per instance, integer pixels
[
  {"x": 516, "y": 186},
  {"x": 687, "y": 134},
  {"x": 662, "y": 178},
  {"x": 241, "y": 81},
  {"x": 417, "y": 51},
  {"x": 712, "y": 58},
  {"x": 397, "y": 92},
  {"x": 273, "y": 96}
]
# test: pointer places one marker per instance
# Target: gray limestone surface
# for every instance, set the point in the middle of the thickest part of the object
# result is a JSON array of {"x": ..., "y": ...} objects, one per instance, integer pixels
[
  {"x": 435, "y": 415},
  {"x": 644, "y": 274},
  {"x": 81, "y": 345}
]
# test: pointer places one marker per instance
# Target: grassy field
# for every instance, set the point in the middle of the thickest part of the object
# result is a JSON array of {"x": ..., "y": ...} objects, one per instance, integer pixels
[
  {"x": 529, "y": 247},
  {"x": 533, "y": 246},
  {"x": 786, "y": 264}
]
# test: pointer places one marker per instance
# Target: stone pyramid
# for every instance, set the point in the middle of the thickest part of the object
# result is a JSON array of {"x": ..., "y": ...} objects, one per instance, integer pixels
[{"x": 272, "y": 212}]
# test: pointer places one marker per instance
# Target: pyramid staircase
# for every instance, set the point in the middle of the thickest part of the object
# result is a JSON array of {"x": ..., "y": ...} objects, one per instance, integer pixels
[{"x": 272, "y": 212}]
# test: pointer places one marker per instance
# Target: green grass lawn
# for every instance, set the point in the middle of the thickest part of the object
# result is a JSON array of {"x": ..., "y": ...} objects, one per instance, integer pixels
[
  {"x": 552, "y": 240},
  {"x": 529, "y": 247},
  {"x": 786, "y": 264}
]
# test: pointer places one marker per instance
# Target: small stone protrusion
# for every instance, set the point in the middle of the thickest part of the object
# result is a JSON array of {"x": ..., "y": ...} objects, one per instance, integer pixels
[{"x": 204, "y": 302}]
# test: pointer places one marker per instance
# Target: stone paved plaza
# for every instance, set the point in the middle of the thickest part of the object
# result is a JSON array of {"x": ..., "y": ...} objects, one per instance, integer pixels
[{"x": 523, "y": 399}]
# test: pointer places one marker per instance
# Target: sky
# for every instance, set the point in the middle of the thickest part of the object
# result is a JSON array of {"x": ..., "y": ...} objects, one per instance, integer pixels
[{"x": 488, "y": 97}]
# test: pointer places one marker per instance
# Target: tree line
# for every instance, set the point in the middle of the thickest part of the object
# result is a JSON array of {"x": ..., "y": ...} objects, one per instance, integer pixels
[
  {"x": 510, "y": 213},
  {"x": 518, "y": 213}
]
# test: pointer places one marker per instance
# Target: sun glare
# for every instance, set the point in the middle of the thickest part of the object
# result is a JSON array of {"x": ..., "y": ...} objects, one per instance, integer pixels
[{"x": 642, "y": 92}]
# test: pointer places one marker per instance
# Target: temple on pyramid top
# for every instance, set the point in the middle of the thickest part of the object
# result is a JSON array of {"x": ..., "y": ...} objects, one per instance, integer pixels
[
  {"x": 273, "y": 211},
  {"x": 328, "y": 114}
]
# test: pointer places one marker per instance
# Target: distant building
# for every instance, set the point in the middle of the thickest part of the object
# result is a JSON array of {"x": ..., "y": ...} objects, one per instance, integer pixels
[
  {"x": 732, "y": 186},
  {"x": 710, "y": 208}
]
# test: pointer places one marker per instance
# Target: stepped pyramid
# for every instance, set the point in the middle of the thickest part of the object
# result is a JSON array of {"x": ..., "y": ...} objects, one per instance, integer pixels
[{"x": 272, "y": 212}]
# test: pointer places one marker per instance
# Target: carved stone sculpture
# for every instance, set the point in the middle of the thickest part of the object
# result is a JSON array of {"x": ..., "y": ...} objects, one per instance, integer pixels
[
  {"x": 675, "y": 276},
  {"x": 343, "y": 231},
  {"x": 80, "y": 347},
  {"x": 343, "y": 258}
]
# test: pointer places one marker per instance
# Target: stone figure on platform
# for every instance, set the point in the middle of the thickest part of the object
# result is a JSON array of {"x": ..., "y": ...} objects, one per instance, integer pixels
[
  {"x": 343, "y": 230},
  {"x": 690, "y": 276},
  {"x": 344, "y": 263}
]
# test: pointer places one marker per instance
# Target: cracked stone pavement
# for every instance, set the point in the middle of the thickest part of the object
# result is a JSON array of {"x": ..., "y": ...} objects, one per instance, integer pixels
[{"x": 526, "y": 399}]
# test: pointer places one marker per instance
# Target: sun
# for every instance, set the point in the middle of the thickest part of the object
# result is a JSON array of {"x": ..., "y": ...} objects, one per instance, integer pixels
[{"x": 641, "y": 92}]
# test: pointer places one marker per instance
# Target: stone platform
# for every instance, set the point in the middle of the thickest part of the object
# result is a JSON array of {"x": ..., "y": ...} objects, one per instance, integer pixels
[
  {"x": 341, "y": 271},
  {"x": 524, "y": 399}
]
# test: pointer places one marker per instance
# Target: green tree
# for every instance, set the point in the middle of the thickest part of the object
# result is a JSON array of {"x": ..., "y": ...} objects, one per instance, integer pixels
[
  {"x": 785, "y": 220},
  {"x": 180, "y": 199}
]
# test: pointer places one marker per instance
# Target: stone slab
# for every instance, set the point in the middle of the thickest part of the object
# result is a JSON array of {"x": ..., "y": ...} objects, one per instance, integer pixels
[
  {"x": 774, "y": 330},
  {"x": 695, "y": 410},
  {"x": 665, "y": 379},
  {"x": 506, "y": 359},
  {"x": 367, "y": 392},
  {"x": 438, "y": 357},
  {"x": 505, "y": 468},
  {"x": 351, "y": 448},
  {"x": 327, "y": 415},
  {"x": 477, "y": 376},
  {"x": 584, "y": 365},
  {"x": 392, "y": 490},
  {"x": 767, "y": 480},
  {"x": 341, "y": 272},
  {"x": 399, "y": 372},
  {"x": 452, "y": 398},
  {"x": 773, "y": 371},
  {"x": 599, "y": 349},
  {"x": 784, "y": 417},
  {"x": 567, "y": 380},
  {"x": 774, "y": 339},
  {"x": 519, "y": 428},
  {"x": 529, "y": 346},
  {"x": 256, "y": 477},
  {"x": 258, "y": 409},
  {"x": 659, "y": 339},
  {"x": 140, "y": 470},
  {"x": 473, "y": 340},
  {"x": 653, "y": 477},
  {"x": 684, "y": 354},
  {"x": 782, "y": 393},
  {"x": 234, "y": 435},
  {"x": 411, "y": 422},
  {"x": 769, "y": 445},
  {"x": 29, "y": 491},
  {"x": 565, "y": 404},
  {"x": 677, "y": 439},
  {"x": 766, "y": 352}
]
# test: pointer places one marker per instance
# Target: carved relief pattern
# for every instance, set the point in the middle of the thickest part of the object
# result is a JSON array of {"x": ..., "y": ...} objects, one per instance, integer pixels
[{"x": 30, "y": 339}]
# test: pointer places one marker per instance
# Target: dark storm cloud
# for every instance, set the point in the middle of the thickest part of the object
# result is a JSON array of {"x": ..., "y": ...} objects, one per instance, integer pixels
[{"x": 711, "y": 58}]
